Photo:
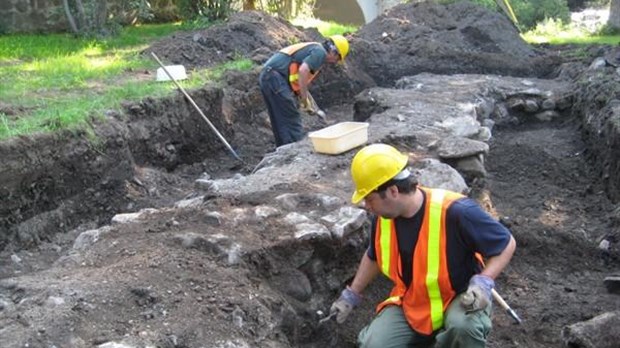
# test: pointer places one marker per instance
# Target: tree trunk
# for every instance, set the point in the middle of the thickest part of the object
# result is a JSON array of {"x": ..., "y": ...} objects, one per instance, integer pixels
[
  {"x": 287, "y": 10},
  {"x": 101, "y": 14},
  {"x": 82, "y": 21},
  {"x": 614, "y": 15},
  {"x": 249, "y": 5},
  {"x": 70, "y": 19}
]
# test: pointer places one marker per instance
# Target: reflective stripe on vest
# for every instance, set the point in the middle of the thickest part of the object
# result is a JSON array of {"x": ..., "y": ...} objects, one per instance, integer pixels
[
  {"x": 432, "y": 275},
  {"x": 293, "y": 68},
  {"x": 430, "y": 292}
]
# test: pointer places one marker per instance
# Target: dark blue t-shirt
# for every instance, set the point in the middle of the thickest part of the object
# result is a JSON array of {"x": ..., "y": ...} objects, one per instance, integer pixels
[
  {"x": 314, "y": 55},
  {"x": 469, "y": 230}
]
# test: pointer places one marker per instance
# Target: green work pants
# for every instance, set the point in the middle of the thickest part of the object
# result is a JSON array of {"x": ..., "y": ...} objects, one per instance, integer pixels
[{"x": 389, "y": 329}]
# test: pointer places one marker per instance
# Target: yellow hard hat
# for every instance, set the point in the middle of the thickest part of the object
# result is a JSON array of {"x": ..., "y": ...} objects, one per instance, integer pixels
[
  {"x": 342, "y": 45},
  {"x": 373, "y": 166}
]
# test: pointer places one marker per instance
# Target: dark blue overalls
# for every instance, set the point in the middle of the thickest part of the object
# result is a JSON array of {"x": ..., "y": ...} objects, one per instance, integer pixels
[{"x": 282, "y": 107}]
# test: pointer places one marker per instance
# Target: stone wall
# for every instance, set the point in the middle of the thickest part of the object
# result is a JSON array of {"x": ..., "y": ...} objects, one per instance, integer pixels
[{"x": 31, "y": 16}]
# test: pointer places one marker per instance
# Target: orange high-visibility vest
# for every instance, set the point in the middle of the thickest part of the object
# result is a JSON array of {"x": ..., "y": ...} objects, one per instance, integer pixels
[
  {"x": 293, "y": 68},
  {"x": 430, "y": 292}
]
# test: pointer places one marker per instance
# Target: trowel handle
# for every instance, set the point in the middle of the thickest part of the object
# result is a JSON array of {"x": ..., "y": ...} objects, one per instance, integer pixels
[
  {"x": 313, "y": 104},
  {"x": 505, "y": 306},
  {"x": 499, "y": 299}
]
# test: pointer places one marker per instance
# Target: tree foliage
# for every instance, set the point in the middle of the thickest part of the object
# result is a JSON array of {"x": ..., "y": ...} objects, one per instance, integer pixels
[
  {"x": 531, "y": 12},
  {"x": 104, "y": 17},
  {"x": 613, "y": 23},
  {"x": 289, "y": 8},
  {"x": 86, "y": 16},
  {"x": 209, "y": 9},
  {"x": 220, "y": 9}
]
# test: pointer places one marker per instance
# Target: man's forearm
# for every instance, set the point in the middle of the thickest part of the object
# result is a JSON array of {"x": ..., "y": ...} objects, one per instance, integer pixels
[
  {"x": 497, "y": 263},
  {"x": 366, "y": 272},
  {"x": 304, "y": 77}
]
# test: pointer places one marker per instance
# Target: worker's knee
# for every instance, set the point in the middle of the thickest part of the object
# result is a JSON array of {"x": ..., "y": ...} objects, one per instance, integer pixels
[
  {"x": 390, "y": 329},
  {"x": 475, "y": 325},
  {"x": 468, "y": 329},
  {"x": 373, "y": 339}
]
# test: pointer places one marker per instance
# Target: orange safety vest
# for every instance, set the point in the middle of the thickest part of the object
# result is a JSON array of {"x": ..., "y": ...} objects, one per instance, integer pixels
[
  {"x": 430, "y": 292},
  {"x": 293, "y": 68}
]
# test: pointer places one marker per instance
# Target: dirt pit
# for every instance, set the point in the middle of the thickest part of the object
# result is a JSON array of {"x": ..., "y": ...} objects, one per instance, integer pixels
[{"x": 159, "y": 237}]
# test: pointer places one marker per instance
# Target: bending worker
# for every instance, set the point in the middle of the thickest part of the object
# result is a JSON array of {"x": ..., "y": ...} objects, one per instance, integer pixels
[
  {"x": 284, "y": 82},
  {"x": 430, "y": 243}
]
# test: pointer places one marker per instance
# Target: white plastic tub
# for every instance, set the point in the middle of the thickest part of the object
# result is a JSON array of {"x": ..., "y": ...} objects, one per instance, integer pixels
[
  {"x": 177, "y": 71},
  {"x": 339, "y": 137}
]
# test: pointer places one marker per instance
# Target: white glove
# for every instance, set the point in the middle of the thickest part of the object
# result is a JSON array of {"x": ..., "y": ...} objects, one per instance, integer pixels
[
  {"x": 479, "y": 293},
  {"x": 343, "y": 306},
  {"x": 305, "y": 104}
]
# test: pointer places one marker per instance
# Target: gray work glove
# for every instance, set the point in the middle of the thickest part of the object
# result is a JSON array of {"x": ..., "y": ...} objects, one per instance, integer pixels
[
  {"x": 305, "y": 105},
  {"x": 478, "y": 295},
  {"x": 348, "y": 300}
]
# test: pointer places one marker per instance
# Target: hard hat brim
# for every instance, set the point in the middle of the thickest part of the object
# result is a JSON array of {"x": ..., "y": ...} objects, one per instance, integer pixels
[{"x": 357, "y": 197}]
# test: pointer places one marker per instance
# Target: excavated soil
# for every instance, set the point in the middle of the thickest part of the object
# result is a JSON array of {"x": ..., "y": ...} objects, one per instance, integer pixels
[{"x": 222, "y": 271}]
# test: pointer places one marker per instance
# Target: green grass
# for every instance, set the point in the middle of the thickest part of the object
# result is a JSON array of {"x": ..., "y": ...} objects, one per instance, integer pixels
[
  {"x": 59, "y": 81},
  {"x": 326, "y": 28},
  {"x": 566, "y": 38},
  {"x": 557, "y": 33},
  {"x": 60, "y": 45}
]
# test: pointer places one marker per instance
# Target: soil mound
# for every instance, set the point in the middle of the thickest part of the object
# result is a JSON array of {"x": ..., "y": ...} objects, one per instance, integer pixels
[
  {"x": 407, "y": 40},
  {"x": 242, "y": 34},
  {"x": 445, "y": 39}
]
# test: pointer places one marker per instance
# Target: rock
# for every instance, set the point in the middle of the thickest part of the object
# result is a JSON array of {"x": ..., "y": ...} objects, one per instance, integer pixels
[
  {"x": 289, "y": 200},
  {"x": 484, "y": 109},
  {"x": 531, "y": 106},
  {"x": 329, "y": 202},
  {"x": 604, "y": 245},
  {"x": 295, "y": 284},
  {"x": 463, "y": 126},
  {"x": 534, "y": 91},
  {"x": 515, "y": 104},
  {"x": 217, "y": 244},
  {"x": 206, "y": 184},
  {"x": 547, "y": 116},
  {"x": 432, "y": 173},
  {"x": 564, "y": 102},
  {"x": 213, "y": 218},
  {"x": 296, "y": 218},
  {"x": 54, "y": 301},
  {"x": 598, "y": 63},
  {"x": 311, "y": 231},
  {"x": 190, "y": 203},
  {"x": 238, "y": 316},
  {"x": 484, "y": 134},
  {"x": 265, "y": 211},
  {"x": 349, "y": 219},
  {"x": 598, "y": 332},
  {"x": 16, "y": 259},
  {"x": 612, "y": 284},
  {"x": 88, "y": 238},
  {"x": 455, "y": 147},
  {"x": 471, "y": 167},
  {"x": 131, "y": 217},
  {"x": 548, "y": 104},
  {"x": 6, "y": 305},
  {"x": 114, "y": 345},
  {"x": 527, "y": 83}
]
